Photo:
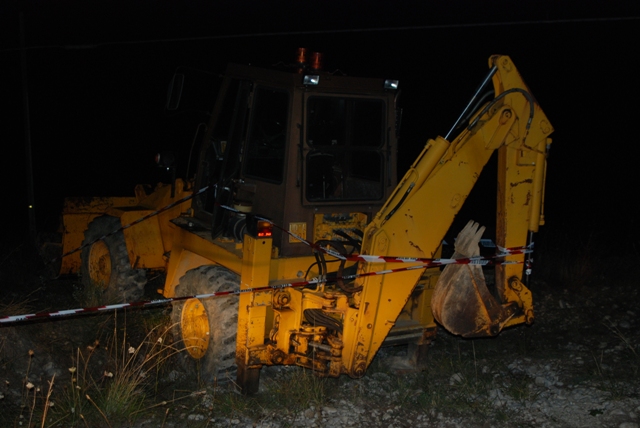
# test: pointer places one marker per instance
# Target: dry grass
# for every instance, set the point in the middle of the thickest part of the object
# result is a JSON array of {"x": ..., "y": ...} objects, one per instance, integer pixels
[
  {"x": 100, "y": 392},
  {"x": 15, "y": 307},
  {"x": 613, "y": 328}
]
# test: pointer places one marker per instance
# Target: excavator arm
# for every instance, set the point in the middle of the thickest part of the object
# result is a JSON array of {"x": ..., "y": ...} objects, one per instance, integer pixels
[{"x": 421, "y": 210}]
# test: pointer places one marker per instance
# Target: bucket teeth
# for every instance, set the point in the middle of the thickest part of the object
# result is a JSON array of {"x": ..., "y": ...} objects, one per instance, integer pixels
[{"x": 467, "y": 242}]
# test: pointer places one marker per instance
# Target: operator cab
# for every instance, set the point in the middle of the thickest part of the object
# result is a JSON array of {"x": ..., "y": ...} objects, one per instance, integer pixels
[{"x": 312, "y": 151}]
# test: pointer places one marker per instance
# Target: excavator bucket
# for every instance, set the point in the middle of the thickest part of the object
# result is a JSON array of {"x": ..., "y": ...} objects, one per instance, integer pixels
[{"x": 461, "y": 301}]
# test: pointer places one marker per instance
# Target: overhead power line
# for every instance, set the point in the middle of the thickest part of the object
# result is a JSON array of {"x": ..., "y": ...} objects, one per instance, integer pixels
[{"x": 336, "y": 31}]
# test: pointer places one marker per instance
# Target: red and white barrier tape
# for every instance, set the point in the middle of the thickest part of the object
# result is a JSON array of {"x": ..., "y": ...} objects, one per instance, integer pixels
[
  {"x": 480, "y": 260},
  {"x": 422, "y": 264}
]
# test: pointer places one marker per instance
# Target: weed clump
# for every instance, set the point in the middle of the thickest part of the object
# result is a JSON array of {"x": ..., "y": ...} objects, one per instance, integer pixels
[{"x": 107, "y": 384}]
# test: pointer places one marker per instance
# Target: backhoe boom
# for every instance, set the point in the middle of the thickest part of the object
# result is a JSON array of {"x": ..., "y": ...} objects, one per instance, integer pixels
[{"x": 415, "y": 219}]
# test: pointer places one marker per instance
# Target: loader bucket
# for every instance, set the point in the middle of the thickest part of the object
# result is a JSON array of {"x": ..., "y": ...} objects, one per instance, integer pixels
[{"x": 461, "y": 301}]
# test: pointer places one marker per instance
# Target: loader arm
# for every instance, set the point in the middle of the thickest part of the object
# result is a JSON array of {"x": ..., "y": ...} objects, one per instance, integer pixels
[{"x": 416, "y": 217}]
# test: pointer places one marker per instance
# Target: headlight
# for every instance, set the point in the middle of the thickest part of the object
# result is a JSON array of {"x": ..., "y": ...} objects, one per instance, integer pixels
[{"x": 311, "y": 79}]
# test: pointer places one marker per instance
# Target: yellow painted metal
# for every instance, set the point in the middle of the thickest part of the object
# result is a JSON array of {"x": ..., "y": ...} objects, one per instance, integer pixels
[
  {"x": 300, "y": 230},
  {"x": 380, "y": 306},
  {"x": 194, "y": 326},
  {"x": 290, "y": 267},
  {"x": 100, "y": 264},
  {"x": 257, "y": 326},
  {"x": 146, "y": 241},
  {"x": 521, "y": 175},
  {"x": 520, "y": 191},
  {"x": 77, "y": 213},
  {"x": 190, "y": 250},
  {"x": 400, "y": 228},
  {"x": 161, "y": 197},
  {"x": 427, "y": 199},
  {"x": 287, "y": 321},
  {"x": 536, "y": 218},
  {"x": 324, "y": 225},
  {"x": 252, "y": 318}
]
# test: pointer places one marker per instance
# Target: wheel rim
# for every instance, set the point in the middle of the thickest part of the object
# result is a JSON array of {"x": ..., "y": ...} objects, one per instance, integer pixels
[
  {"x": 194, "y": 325},
  {"x": 100, "y": 264}
]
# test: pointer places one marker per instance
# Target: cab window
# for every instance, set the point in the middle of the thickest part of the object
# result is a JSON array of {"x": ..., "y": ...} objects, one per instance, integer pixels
[
  {"x": 266, "y": 142},
  {"x": 344, "y": 137}
]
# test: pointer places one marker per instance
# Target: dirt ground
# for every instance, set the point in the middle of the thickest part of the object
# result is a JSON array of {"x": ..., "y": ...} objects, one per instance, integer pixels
[{"x": 578, "y": 365}]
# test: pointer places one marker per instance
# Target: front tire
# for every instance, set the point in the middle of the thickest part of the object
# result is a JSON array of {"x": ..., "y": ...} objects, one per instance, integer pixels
[
  {"x": 106, "y": 272},
  {"x": 207, "y": 328}
]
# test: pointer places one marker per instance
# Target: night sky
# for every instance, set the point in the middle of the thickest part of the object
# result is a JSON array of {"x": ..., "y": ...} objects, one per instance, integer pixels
[{"x": 98, "y": 74}]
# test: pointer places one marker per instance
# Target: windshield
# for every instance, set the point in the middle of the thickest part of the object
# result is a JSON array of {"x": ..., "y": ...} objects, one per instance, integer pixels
[{"x": 344, "y": 138}]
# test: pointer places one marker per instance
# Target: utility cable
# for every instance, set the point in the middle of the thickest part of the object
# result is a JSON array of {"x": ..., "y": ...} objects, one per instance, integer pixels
[{"x": 332, "y": 31}]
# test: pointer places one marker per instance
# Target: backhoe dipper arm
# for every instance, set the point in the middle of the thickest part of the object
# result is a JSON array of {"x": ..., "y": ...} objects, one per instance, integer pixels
[{"x": 416, "y": 217}]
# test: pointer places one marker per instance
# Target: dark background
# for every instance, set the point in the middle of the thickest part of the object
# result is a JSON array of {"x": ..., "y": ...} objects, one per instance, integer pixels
[{"x": 98, "y": 74}]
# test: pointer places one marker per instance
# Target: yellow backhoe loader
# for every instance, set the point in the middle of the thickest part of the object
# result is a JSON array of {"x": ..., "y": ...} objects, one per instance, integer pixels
[{"x": 296, "y": 208}]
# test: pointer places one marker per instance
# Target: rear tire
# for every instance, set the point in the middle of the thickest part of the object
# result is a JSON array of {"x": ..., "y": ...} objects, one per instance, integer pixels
[
  {"x": 106, "y": 272},
  {"x": 207, "y": 328}
]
